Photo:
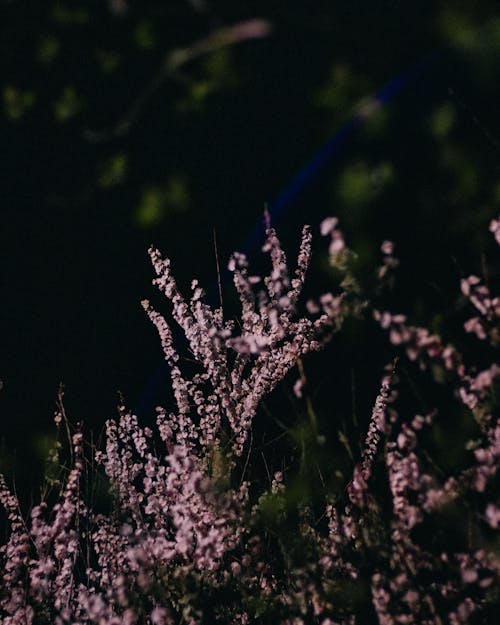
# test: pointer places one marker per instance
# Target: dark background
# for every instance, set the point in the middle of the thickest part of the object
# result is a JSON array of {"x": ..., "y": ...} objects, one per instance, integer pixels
[{"x": 404, "y": 95}]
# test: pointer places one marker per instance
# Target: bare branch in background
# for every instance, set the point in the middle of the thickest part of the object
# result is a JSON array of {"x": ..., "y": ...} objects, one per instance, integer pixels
[{"x": 256, "y": 28}]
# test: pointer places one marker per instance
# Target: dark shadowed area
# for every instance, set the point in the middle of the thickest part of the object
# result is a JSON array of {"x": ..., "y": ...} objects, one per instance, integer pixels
[{"x": 126, "y": 123}]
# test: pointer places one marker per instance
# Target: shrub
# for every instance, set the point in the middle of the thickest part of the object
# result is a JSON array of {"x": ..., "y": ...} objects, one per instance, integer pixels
[{"x": 191, "y": 537}]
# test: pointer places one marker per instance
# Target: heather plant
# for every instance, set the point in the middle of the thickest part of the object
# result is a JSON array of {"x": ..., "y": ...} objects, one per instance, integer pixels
[{"x": 192, "y": 535}]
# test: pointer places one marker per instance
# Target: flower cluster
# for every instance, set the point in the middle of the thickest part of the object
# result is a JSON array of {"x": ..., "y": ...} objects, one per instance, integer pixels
[
  {"x": 488, "y": 307},
  {"x": 185, "y": 536},
  {"x": 238, "y": 371}
]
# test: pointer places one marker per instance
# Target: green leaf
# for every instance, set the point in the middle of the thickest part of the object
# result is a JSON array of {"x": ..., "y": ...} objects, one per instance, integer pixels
[
  {"x": 144, "y": 35},
  {"x": 17, "y": 102},
  {"x": 157, "y": 202},
  {"x": 67, "y": 105},
  {"x": 113, "y": 171},
  {"x": 48, "y": 49},
  {"x": 443, "y": 120}
]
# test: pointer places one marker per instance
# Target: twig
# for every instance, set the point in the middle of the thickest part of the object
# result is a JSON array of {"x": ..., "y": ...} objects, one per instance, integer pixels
[{"x": 256, "y": 28}]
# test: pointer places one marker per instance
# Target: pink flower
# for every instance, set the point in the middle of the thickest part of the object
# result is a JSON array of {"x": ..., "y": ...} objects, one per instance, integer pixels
[
  {"x": 328, "y": 225},
  {"x": 492, "y": 515},
  {"x": 495, "y": 229},
  {"x": 387, "y": 248},
  {"x": 297, "y": 388}
]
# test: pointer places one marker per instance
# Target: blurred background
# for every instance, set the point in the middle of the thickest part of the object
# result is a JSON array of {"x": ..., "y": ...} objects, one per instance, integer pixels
[{"x": 175, "y": 122}]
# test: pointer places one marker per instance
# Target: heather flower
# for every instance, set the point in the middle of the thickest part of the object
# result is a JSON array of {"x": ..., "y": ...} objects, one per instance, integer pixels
[
  {"x": 495, "y": 229},
  {"x": 189, "y": 540},
  {"x": 475, "y": 325},
  {"x": 358, "y": 487},
  {"x": 16, "y": 556},
  {"x": 420, "y": 344},
  {"x": 337, "y": 244},
  {"x": 271, "y": 340},
  {"x": 389, "y": 261},
  {"x": 486, "y": 325},
  {"x": 492, "y": 515}
]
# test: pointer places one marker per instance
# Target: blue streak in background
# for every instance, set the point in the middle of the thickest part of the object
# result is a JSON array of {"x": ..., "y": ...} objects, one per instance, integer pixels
[
  {"x": 287, "y": 195},
  {"x": 332, "y": 146},
  {"x": 313, "y": 166}
]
